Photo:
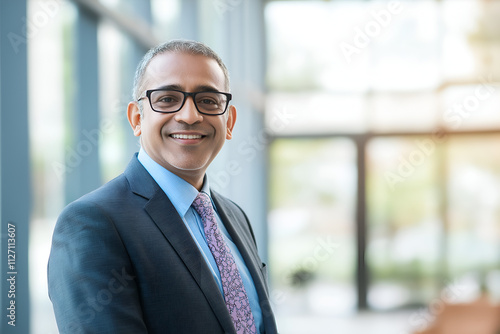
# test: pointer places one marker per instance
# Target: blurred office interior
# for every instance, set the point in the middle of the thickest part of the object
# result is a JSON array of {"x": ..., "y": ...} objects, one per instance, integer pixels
[{"x": 366, "y": 151}]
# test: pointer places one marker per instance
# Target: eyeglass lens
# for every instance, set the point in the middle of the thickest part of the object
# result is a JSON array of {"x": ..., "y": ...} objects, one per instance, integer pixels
[{"x": 171, "y": 100}]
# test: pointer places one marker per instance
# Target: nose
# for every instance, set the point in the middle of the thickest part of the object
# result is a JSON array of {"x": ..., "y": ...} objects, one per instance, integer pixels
[{"x": 188, "y": 113}]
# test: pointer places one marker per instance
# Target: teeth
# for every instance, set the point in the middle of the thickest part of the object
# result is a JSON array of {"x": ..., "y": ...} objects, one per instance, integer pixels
[{"x": 177, "y": 136}]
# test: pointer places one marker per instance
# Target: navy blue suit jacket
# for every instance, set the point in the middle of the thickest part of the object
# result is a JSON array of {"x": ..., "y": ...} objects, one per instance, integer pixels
[{"x": 122, "y": 261}]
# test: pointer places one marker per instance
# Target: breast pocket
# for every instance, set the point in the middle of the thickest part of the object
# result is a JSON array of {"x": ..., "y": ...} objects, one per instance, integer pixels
[{"x": 263, "y": 270}]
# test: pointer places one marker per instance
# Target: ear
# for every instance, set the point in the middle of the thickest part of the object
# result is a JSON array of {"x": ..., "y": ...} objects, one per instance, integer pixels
[
  {"x": 134, "y": 117},
  {"x": 231, "y": 120}
]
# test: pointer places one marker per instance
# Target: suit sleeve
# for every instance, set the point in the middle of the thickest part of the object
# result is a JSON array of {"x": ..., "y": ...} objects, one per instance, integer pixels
[{"x": 91, "y": 279}]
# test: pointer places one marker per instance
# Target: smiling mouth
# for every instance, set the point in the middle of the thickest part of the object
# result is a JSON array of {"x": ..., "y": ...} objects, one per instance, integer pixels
[{"x": 179, "y": 136}]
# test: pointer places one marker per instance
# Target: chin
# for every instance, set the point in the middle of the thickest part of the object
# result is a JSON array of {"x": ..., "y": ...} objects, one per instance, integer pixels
[{"x": 190, "y": 166}]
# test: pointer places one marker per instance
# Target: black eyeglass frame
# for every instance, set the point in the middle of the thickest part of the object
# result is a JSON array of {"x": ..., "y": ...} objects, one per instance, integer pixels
[{"x": 186, "y": 94}]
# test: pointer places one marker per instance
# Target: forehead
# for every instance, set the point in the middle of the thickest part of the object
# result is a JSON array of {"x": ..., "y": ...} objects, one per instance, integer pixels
[{"x": 185, "y": 70}]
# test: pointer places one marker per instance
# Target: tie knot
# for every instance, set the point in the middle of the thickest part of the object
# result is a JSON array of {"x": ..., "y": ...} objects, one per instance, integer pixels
[{"x": 202, "y": 204}]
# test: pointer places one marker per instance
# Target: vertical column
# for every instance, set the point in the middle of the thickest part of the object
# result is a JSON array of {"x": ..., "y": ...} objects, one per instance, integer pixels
[
  {"x": 189, "y": 20},
  {"x": 253, "y": 88},
  {"x": 15, "y": 198},
  {"x": 242, "y": 170},
  {"x": 442, "y": 177},
  {"x": 361, "y": 225},
  {"x": 134, "y": 53},
  {"x": 86, "y": 174}
]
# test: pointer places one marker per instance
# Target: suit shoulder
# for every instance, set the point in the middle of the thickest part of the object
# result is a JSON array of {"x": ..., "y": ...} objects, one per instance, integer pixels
[
  {"x": 117, "y": 187},
  {"x": 229, "y": 203},
  {"x": 110, "y": 192},
  {"x": 235, "y": 210}
]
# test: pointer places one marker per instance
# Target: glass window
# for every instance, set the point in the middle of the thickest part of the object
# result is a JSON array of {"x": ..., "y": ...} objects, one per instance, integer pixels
[
  {"x": 470, "y": 47},
  {"x": 353, "y": 46},
  {"x": 116, "y": 53},
  {"x": 313, "y": 113},
  {"x": 50, "y": 91},
  {"x": 311, "y": 222},
  {"x": 404, "y": 224},
  {"x": 474, "y": 210},
  {"x": 402, "y": 112},
  {"x": 471, "y": 107},
  {"x": 303, "y": 52},
  {"x": 394, "y": 68},
  {"x": 393, "y": 74}
]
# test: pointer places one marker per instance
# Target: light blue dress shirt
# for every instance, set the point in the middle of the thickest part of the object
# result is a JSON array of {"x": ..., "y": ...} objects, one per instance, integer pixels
[{"x": 182, "y": 194}]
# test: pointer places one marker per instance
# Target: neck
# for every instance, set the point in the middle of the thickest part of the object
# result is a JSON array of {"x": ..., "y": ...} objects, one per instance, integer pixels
[{"x": 194, "y": 180}]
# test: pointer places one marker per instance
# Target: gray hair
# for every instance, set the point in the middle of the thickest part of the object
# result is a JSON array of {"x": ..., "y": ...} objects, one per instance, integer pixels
[{"x": 178, "y": 46}]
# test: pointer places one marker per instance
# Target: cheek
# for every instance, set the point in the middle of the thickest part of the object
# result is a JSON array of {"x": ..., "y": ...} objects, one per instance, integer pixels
[
  {"x": 152, "y": 127},
  {"x": 222, "y": 127}
]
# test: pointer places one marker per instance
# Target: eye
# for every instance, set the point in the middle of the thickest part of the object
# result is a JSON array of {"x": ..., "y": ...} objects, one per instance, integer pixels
[
  {"x": 207, "y": 101},
  {"x": 167, "y": 99}
]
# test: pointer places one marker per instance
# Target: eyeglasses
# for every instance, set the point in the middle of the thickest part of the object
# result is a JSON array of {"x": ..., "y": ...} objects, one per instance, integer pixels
[{"x": 171, "y": 100}]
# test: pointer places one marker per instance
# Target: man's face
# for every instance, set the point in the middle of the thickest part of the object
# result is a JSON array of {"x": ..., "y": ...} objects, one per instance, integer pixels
[{"x": 184, "y": 142}]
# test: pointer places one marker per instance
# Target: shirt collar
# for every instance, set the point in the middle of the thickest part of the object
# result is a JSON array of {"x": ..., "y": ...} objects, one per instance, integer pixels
[{"x": 180, "y": 192}]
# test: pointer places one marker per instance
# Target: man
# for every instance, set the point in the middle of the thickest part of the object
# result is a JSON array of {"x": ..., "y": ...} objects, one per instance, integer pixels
[{"x": 155, "y": 250}]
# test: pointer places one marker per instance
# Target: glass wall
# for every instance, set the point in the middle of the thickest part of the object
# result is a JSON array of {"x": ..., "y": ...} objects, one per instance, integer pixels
[
  {"x": 417, "y": 81},
  {"x": 312, "y": 225},
  {"x": 404, "y": 224},
  {"x": 473, "y": 192}
]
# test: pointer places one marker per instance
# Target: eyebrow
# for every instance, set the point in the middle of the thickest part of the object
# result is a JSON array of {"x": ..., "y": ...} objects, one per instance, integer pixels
[{"x": 200, "y": 88}]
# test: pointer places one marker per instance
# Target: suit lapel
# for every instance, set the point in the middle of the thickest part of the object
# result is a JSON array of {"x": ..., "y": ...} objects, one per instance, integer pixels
[
  {"x": 164, "y": 215},
  {"x": 244, "y": 240},
  {"x": 241, "y": 238}
]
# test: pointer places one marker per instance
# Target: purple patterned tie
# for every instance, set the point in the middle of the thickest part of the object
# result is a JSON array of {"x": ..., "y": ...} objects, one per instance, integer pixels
[{"x": 234, "y": 292}]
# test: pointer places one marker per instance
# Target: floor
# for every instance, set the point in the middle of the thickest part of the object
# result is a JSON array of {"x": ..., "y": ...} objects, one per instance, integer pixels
[{"x": 364, "y": 323}]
